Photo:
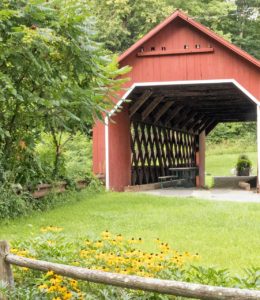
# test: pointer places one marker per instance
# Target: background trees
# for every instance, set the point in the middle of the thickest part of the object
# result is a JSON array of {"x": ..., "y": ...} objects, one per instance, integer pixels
[
  {"x": 122, "y": 22},
  {"x": 53, "y": 78}
]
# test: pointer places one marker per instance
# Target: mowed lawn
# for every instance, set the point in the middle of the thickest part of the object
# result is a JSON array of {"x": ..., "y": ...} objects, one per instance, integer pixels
[
  {"x": 225, "y": 234},
  {"x": 221, "y": 164}
]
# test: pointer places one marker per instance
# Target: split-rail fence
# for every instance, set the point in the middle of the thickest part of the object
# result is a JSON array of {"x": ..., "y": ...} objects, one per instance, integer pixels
[{"x": 169, "y": 287}]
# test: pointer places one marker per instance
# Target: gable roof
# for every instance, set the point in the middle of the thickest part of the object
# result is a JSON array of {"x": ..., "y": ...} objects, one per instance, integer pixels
[{"x": 205, "y": 30}]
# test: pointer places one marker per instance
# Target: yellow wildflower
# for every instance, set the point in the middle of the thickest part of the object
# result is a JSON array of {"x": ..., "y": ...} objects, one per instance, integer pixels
[
  {"x": 50, "y": 273},
  {"x": 43, "y": 287}
]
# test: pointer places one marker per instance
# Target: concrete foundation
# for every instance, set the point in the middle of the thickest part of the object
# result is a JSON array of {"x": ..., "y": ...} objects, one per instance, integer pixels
[{"x": 233, "y": 181}]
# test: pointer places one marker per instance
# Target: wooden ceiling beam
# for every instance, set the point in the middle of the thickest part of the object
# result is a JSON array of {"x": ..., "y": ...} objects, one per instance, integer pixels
[
  {"x": 196, "y": 88},
  {"x": 151, "y": 106},
  {"x": 231, "y": 116},
  {"x": 173, "y": 113},
  {"x": 194, "y": 120},
  {"x": 139, "y": 102},
  {"x": 181, "y": 117},
  {"x": 206, "y": 124},
  {"x": 200, "y": 123},
  {"x": 211, "y": 127},
  {"x": 195, "y": 123},
  {"x": 189, "y": 116},
  {"x": 210, "y": 101},
  {"x": 166, "y": 106},
  {"x": 221, "y": 108}
]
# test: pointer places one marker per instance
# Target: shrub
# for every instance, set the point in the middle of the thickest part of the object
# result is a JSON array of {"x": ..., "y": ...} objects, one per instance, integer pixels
[
  {"x": 243, "y": 165},
  {"x": 14, "y": 203}
]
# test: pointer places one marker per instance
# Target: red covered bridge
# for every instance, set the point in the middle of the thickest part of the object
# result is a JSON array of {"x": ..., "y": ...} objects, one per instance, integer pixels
[{"x": 185, "y": 80}]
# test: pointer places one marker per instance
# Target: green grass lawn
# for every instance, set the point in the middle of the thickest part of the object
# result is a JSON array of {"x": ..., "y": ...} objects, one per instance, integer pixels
[
  {"x": 221, "y": 164},
  {"x": 225, "y": 234}
]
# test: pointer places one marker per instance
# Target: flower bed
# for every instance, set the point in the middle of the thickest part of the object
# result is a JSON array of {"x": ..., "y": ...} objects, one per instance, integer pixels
[{"x": 110, "y": 253}]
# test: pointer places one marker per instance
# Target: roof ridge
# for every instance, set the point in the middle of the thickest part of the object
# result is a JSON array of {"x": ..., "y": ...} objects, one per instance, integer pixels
[{"x": 199, "y": 26}]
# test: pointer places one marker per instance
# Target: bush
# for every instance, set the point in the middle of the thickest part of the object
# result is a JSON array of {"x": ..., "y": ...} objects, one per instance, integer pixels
[
  {"x": 111, "y": 253},
  {"x": 15, "y": 203},
  {"x": 243, "y": 165}
]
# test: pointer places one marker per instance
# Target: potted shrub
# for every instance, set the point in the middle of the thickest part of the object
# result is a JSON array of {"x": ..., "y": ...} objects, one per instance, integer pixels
[{"x": 243, "y": 166}]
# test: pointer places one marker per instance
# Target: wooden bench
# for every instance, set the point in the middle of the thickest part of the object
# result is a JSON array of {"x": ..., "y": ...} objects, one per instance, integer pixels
[
  {"x": 164, "y": 178},
  {"x": 183, "y": 173}
]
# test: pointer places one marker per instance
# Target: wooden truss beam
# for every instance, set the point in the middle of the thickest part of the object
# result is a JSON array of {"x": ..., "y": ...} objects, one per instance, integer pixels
[
  {"x": 209, "y": 128},
  {"x": 200, "y": 123},
  {"x": 206, "y": 124},
  {"x": 139, "y": 102},
  {"x": 173, "y": 114},
  {"x": 163, "y": 110},
  {"x": 189, "y": 116},
  {"x": 193, "y": 120},
  {"x": 151, "y": 106}
]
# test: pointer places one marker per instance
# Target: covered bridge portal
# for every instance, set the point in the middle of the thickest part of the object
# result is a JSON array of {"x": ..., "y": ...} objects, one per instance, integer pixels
[{"x": 184, "y": 81}]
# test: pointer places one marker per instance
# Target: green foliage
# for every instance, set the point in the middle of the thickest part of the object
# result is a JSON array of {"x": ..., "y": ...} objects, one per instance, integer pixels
[
  {"x": 53, "y": 78},
  {"x": 238, "y": 21},
  {"x": 233, "y": 132},
  {"x": 13, "y": 205},
  {"x": 244, "y": 26},
  {"x": 243, "y": 163},
  {"x": 16, "y": 202},
  {"x": 75, "y": 156},
  {"x": 129, "y": 20}
]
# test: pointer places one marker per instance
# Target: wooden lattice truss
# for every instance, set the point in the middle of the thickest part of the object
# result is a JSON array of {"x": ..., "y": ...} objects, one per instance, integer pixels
[{"x": 155, "y": 149}]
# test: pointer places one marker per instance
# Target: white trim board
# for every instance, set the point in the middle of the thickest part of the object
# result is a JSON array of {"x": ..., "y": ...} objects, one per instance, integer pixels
[{"x": 164, "y": 83}]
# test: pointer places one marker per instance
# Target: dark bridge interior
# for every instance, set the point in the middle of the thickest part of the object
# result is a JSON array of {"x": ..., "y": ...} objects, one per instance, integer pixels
[{"x": 166, "y": 121}]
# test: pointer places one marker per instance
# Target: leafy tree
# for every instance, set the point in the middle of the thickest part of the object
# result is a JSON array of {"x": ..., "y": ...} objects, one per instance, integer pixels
[
  {"x": 236, "y": 20},
  {"x": 232, "y": 131},
  {"x": 122, "y": 22},
  {"x": 53, "y": 77},
  {"x": 210, "y": 13},
  {"x": 244, "y": 25}
]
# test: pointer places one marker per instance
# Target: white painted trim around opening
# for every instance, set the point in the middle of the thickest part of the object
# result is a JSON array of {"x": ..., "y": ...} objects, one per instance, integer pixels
[{"x": 182, "y": 82}]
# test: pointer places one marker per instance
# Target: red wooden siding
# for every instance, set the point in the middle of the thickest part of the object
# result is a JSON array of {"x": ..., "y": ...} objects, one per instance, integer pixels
[
  {"x": 99, "y": 148},
  {"x": 119, "y": 152},
  {"x": 221, "y": 64}
]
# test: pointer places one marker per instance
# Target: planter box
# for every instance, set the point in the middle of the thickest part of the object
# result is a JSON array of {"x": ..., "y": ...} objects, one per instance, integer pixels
[
  {"x": 233, "y": 181},
  {"x": 244, "y": 172}
]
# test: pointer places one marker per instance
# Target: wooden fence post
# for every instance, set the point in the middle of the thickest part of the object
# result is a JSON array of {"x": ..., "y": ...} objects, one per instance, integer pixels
[{"x": 6, "y": 275}]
